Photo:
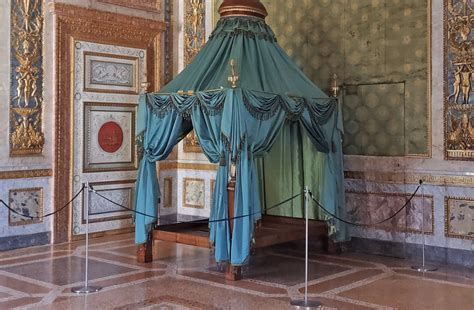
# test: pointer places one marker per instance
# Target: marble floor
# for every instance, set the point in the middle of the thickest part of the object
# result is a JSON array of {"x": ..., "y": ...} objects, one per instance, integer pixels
[{"x": 185, "y": 277}]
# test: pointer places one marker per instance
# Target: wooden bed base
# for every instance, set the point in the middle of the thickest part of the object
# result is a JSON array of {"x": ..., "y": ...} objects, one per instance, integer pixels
[{"x": 270, "y": 230}]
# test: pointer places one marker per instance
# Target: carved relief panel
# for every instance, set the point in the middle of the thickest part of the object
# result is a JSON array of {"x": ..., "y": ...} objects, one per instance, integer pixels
[
  {"x": 459, "y": 74},
  {"x": 194, "y": 39},
  {"x": 26, "y": 92}
]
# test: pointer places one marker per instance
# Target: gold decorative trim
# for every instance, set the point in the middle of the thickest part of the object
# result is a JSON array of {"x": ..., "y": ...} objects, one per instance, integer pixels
[
  {"x": 213, "y": 186},
  {"x": 40, "y": 204},
  {"x": 26, "y": 174},
  {"x": 458, "y": 54},
  {"x": 144, "y": 5},
  {"x": 168, "y": 190},
  {"x": 79, "y": 23},
  {"x": 409, "y": 178},
  {"x": 162, "y": 166},
  {"x": 447, "y": 218},
  {"x": 26, "y": 99},
  {"x": 406, "y": 230},
  {"x": 186, "y": 205}
]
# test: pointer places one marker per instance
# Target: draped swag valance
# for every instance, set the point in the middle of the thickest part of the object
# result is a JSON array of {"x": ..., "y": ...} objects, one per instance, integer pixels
[{"x": 237, "y": 125}]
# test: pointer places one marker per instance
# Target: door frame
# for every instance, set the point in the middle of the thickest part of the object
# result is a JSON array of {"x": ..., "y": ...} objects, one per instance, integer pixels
[{"x": 77, "y": 23}]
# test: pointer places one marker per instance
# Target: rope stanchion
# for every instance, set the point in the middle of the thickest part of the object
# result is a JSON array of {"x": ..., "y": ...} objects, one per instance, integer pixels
[
  {"x": 86, "y": 289},
  {"x": 423, "y": 267},
  {"x": 305, "y": 303}
]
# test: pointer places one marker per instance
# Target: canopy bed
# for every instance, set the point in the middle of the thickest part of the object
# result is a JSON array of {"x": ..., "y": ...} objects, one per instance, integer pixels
[{"x": 242, "y": 95}]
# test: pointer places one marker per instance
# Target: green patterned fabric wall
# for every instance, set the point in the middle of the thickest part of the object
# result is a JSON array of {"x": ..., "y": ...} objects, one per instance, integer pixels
[{"x": 379, "y": 48}]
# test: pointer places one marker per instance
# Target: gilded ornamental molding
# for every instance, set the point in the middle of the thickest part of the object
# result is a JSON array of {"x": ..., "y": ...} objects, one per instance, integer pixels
[
  {"x": 26, "y": 93},
  {"x": 194, "y": 39},
  {"x": 410, "y": 178},
  {"x": 145, "y": 5},
  {"x": 25, "y": 174}
]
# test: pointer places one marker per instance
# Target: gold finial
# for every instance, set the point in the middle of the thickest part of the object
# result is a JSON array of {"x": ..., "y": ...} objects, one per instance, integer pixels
[
  {"x": 335, "y": 88},
  {"x": 144, "y": 86},
  {"x": 234, "y": 77}
]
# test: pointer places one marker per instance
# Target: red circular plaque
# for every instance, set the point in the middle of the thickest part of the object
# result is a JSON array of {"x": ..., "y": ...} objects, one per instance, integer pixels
[{"x": 110, "y": 137}]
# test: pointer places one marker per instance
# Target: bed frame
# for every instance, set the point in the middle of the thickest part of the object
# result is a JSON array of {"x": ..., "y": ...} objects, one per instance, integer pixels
[{"x": 270, "y": 230}]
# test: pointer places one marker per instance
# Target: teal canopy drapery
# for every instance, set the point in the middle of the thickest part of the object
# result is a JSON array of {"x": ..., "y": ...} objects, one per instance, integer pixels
[{"x": 237, "y": 125}]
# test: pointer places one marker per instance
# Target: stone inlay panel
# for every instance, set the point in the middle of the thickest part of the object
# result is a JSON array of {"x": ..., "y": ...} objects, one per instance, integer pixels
[
  {"x": 371, "y": 208},
  {"x": 459, "y": 218},
  {"x": 27, "y": 201},
  {"x": 193, "y": 193}
]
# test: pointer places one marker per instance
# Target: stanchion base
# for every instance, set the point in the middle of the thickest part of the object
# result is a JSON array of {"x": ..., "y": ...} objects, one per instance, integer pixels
[
  {"x": 424, "y": 268},
  {"x": 301, "y": 304},
  {"x": 86, "y": 289}
]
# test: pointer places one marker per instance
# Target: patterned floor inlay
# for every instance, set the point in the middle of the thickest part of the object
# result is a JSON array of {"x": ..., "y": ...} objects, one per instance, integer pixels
[
  {"x": 261, "y": 269},
  {"x": 416, "y": 294},
  {"x": 185, "y": 277},
  {"x": 68, "y": 270},
  {"x": 342, "y": 281}
]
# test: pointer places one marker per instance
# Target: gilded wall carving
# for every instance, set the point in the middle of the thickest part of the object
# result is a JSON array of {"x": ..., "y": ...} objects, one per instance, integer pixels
[
  {"x": 368, "y": 43},
  {"x": 169, "y": 63},
  {"x": 194, "y": 39},
  {"x": 459, "y": 74},
  {"x": 26, "y": 103}
]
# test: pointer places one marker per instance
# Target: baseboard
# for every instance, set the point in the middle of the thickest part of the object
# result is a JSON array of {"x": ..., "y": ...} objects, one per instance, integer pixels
[
  {"x": 23, "y": 241},
  {"x": 413, "y": 252}
]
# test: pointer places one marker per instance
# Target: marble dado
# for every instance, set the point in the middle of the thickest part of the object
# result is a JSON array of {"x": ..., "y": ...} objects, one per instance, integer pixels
[
  {"x": 410, "y": 178},
  {"x": 369, "y": 207}
]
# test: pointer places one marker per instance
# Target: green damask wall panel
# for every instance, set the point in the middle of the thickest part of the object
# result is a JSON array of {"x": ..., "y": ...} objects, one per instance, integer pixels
[
  {"x": 373, "y": 120},
  {"x": 367, "y": 43}
]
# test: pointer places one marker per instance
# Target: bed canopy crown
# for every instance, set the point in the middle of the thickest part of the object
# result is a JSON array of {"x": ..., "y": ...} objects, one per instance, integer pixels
[{"x": 243, "y": 8}]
